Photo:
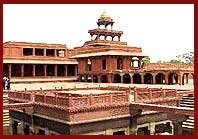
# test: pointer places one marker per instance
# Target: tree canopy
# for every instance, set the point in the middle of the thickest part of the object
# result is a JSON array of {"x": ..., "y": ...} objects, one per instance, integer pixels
[{"x": 186, "y": 58}]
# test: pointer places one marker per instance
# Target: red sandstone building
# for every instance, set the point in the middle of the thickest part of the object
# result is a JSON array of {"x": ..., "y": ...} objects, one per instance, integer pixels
[
  {"x": 104, "y": 59},
  {"x": 99, "y": 111}
]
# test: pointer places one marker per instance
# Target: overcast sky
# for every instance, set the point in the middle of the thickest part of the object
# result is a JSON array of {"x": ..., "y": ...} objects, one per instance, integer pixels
[{"x": 162, "y": 31}]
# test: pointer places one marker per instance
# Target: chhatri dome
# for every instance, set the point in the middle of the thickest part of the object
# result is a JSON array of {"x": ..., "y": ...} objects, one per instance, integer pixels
[
  {"x": 105, "y": 19},
  {"x": 105, "y": 15}
]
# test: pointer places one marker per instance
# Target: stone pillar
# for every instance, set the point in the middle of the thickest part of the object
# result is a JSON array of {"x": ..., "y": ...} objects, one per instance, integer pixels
[
  {"x": 177, "y": 127},
  {"x": 33, "y": 70},
  {"x": 14, "y": 128},
  {"x": 65, "y": 70},
  {"x": 108, "y": 132},
  {"x": 55, "y": 52},
  {"x": 154, "y": 79},
  {"x": 139, "y": 62},
  {"x": 142, "y": 78},
  {"x": 187, "y": 76},
  {"x": 9, "y": 70},
  {"x": 45, "y": 52},
  {"x": 166, "y": 78},
  {"x": 76, "y": 70},
  {"x": 22, "y": 70},
  {"x": 177, "y": 121},
  {"x": 55, "y": 70},
  {"x": 121, "y": 75},
  {"x": 152, "y": 128},
  {"x": 133, "y": 127},
  {"x": 33, "y": 51},
  {"x": 180, "y": 81},
  {"x": 131, "y": 78},
  {"x": 45, "y": 70}
]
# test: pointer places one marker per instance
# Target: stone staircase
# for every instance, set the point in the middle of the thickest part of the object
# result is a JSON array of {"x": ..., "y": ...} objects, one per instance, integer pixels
[
  {"x": 6, "y": 117},
  {"x": 188, "y": 101}
]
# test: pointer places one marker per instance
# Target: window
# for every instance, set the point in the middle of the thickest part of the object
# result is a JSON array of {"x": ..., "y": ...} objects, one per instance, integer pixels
[
  {"x": 27, "y": 51},
  {"x": 119, "y": 63},
  {"x": 50, "y": 52},
  {"x": 60, "y": 53},
  {"x": 104, "y": 64},
  {"x": 39, "y": 52},
  {"x": 88, "y": 64}
]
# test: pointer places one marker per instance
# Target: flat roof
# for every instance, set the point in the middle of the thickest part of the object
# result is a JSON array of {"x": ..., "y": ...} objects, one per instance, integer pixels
[
  {"x": 112, "y": 53},
  {"x": 92, "y": 91}
]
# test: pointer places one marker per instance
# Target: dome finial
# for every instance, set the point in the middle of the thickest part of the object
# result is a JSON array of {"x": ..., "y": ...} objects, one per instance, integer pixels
[{"x": 104, "y": 15}]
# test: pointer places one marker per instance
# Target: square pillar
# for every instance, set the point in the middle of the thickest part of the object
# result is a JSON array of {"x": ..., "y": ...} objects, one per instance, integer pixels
[
  {"x": 180, "y": 81},
  {"x": 65, "y": 70},
  {"x": 33, "y": 70},
  {"x": 22, "y": 70},
  {"x": 166, "y": 78},
  {"x": 142, "y": 78},
  {"x": 131, "y": 78},
  {"x": 44, "y": 52},
  {"x": 55, "y": 70},
  {"x": 152, "y": 128},
  {"x": 9, "y": 70},
  {"x": 45, "y": 70},
  {"x": 33, "y": 51}
]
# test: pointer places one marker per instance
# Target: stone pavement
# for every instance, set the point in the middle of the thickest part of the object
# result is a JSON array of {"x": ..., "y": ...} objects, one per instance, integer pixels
[{"x": 58, "y": 85}]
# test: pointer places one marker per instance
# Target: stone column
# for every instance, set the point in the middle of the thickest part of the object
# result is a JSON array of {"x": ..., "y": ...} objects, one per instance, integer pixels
[
  {"x": 22, "y": 70},
  {"x": 44, "y": 52},
  {"x": 142, "y": 78},
  {"x": 154, "y": 79},
  {"x": 76, "y": 70},
  {"x": 121, "y": 75},
  {"x": 9, "y": 70},
  {"x": 187, "y": 75},
  {"x": 55, "y": 70},
  {"x": 180, "y": 81},
  {"x": 152, "y": 128},
  {"x": 45, "y": 70},
  {"x": 65, "y": 70},
  {"x": 177, "y": 120},
  {"x": 133, "y": 126},
  {"x": 166, "y": 78},
  {"x": 33, "y": 50},
  {"x": 139, "y": 62},
  {"x": 55, "y": 52},
  {"x": 131, "y": 78},
  {"x": 33, "y": 70}
]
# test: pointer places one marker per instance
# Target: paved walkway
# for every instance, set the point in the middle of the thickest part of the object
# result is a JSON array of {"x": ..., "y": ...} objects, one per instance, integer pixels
[{"x": 52, "y": 85}]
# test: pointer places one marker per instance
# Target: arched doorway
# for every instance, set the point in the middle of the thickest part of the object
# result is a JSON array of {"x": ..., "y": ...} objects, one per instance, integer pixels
[
  {"x": 89, "y": 79},
  {"x": 95, "y": 79},
  {"x": 82, "y": 78},
  {"x": 172, "y": 78},
  {"x": 148, "y": 78},
  {"x": 137, "y": 78},
  {"x": 160, "y": 78},
  {"x": 104, "y": 79},
  {"x": 126, "y": 78},
  {"x": 119, "y": 63},
  {"x": 117, "y": 78},
  {"x": 5, "y": 70}
]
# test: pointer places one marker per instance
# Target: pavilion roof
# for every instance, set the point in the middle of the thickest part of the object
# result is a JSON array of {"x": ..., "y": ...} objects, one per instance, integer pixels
[{"x": 110, "y": 53}]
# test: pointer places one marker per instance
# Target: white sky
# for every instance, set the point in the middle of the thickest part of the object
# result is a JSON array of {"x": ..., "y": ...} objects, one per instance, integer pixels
[{"x": 162, "y": 31}]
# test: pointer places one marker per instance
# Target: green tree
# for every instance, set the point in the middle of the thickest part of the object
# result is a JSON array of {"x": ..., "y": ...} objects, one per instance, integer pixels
[
  {"x": 186, "y": 58},
  {"x": 146, "y": 59}
]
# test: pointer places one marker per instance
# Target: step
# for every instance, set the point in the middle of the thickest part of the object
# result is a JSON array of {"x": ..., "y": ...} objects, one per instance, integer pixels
[
  {"x": 188, "y": 123},
  {"x": 187, "y": 105},
  {"x": 184, "y": 102},
  {"x": 185, "y": 126},
  {"x": 190, "y": 120},
  {"x": 191, "y": 117}
]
